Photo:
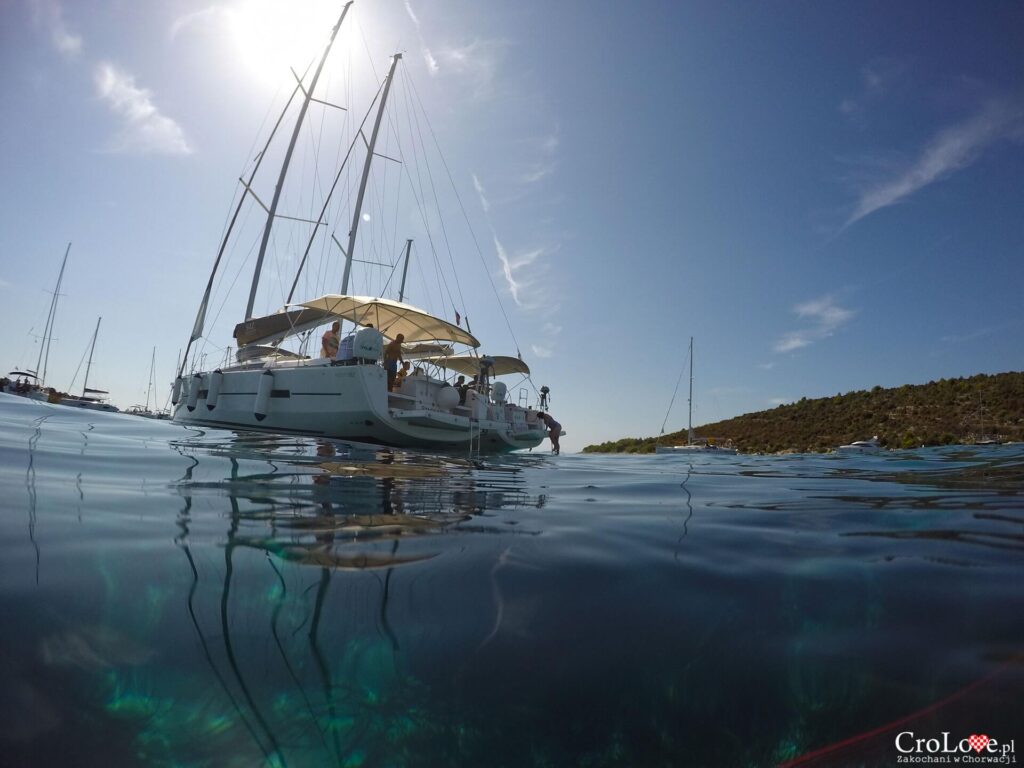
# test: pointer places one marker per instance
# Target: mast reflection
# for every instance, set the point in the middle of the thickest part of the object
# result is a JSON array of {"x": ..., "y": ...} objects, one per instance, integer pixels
[{"x": 334, "y": 524}]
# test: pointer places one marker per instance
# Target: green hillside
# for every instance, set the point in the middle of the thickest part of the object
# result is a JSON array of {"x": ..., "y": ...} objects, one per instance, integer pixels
[{"x": 937, "y": 413}]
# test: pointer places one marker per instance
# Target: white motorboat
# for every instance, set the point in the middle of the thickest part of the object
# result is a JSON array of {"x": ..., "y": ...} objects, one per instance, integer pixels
[
  {"x": 269, "y": 387},
  {"x": 861, "y": 446},
  {"x": 693, "y": 445}
]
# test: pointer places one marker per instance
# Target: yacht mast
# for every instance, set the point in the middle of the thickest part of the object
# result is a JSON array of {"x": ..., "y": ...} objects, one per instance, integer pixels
[
  {"x": 48, "y": 330},
  {"x": 405, "y": 269},
  {"x": 92, "y": 349},
  {"x": 287, "y": 159},
  {"x": 689, "y": 420},
  {"x": 366, "y": 175},
  {"x": 152, "y": 366}
]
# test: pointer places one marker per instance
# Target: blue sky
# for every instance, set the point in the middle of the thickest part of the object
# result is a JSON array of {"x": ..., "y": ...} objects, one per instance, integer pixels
[{"x": 826, "y": 195}]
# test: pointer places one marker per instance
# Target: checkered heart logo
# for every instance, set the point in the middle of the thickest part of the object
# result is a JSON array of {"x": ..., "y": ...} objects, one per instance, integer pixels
[{"x": 977, "y": 742}]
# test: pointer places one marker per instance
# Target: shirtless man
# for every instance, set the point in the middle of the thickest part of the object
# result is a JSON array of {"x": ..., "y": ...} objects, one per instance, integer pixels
[
  {"x": 329, "y": 342},
  {"x": 392, "y": 357}
]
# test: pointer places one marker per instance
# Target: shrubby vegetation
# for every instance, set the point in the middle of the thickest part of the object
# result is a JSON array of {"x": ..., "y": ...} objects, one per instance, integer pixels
[{"x": 937, "y": 413}]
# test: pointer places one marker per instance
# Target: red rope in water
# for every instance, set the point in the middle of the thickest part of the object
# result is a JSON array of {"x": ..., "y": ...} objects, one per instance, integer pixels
[{"x": 840, "y": 745}]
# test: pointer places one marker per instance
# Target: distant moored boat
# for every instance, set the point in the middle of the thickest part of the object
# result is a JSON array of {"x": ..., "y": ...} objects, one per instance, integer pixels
[
  {"x": 861, "y": 446},
  {"x": 694, "y": 445}
]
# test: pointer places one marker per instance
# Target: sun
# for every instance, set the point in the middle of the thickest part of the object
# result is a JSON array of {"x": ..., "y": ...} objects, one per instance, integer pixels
[{"x": 270, "y": 36}]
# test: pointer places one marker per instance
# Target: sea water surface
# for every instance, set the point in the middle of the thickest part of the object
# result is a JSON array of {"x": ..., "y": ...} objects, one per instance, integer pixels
[{"x": 180, "y": 597}]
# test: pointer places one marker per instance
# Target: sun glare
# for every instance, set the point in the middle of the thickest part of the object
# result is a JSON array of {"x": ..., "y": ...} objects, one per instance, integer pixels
[{"x": 270, "y": 37}]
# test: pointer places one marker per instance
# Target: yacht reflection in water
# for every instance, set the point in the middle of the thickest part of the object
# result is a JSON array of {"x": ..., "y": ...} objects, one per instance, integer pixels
[{"x": 329, "y": 682}]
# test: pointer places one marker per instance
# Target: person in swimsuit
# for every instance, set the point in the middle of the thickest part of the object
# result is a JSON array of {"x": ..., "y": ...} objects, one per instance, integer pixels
[{"x": 554, "y": 430}]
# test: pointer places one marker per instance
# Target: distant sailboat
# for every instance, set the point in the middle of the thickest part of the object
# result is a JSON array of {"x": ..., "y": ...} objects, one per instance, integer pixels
[
  {"x": 34, "y": 381},
  {"x": 144, "y": 410},
  {"x": 692, "y": 445},
  {"x": 92, "y": 399}
]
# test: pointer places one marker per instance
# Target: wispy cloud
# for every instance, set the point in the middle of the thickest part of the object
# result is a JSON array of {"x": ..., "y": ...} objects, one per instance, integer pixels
[
  {"x": 144, "y": 130},
  {"x": 879, "y": 78},
  {"x": 202, "y": 16},
  {"x": 540, "y": 351},
  {"x": 481, "y": 193},
  {"x": 477, "y": 61},
  {"x": 432, "y": 66},
  {"x": 960, "y": 338},
  {"x": 825, "y": 316},
  {"x": 510, "y": 267},
  {"x": 412, "y": 14},
  {"x": 536, "y": 173},
  {"x": 4, "y": 283},
  {"x": 544, "y": 163},
  {"x": 952, "y": 149},
  {"x": 50, "y": 14},
  {"x": 428, "y": 56},
  {"x": 766, "y": 366}
]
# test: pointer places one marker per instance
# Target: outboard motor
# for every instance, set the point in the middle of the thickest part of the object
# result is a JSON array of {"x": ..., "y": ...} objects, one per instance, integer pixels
[
  {"x": 368, "y": 345},
  {"x": 499, "y": 392}
]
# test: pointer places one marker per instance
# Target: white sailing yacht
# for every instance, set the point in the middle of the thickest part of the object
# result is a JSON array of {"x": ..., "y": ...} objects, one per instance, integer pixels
[
  {"x": 34, "y": 381},
  {"x": 268, "y": 387},
  {"x": 144, "y": 410},
  {"x": 694, "y": 446},
  {"x": 90, "y": 399}
]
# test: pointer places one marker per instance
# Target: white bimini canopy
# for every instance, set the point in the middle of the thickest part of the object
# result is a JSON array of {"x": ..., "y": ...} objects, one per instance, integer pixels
[
  {"x": 469, "y": 365},
  {"x": 389, "y": 317}
]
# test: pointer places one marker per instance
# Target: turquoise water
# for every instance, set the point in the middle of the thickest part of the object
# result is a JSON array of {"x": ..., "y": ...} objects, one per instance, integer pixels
[{"x": 179, "y": 597}]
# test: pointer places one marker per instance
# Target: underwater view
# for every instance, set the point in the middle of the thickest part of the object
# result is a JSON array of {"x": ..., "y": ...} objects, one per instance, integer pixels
[{"x": 176, "y": 596}]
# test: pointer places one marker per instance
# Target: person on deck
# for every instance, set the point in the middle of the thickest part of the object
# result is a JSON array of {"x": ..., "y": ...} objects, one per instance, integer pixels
[
  {"x": 392, "y": 357},
  {"x": 402, "y": 373},
  {"x": 554, "y": 430},
  {"x": 460, "y": 387},
  {"x": 329, "y": 342}
]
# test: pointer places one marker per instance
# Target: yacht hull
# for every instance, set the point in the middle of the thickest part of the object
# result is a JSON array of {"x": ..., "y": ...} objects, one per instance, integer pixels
[{"x": 348, "y": 402}]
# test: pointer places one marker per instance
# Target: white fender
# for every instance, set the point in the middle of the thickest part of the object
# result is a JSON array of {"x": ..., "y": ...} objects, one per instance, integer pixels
[
  {"x": 263, "y": 395},
  {"x": 193, "y": 391},
  {"x": 213, "y": 390},
  {"x": 176, "y": 392}
]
